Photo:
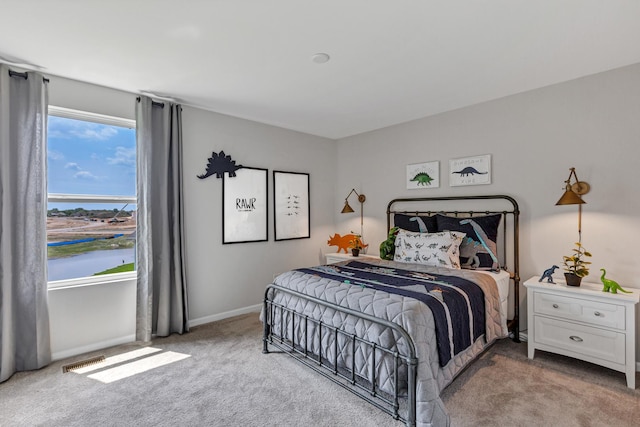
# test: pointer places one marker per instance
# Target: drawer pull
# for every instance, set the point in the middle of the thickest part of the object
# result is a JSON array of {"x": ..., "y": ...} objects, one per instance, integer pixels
[
  {"x": 555, "y": 306},
  {"x": 575, "y": 338},
  {"x": 597, "y": 313}
]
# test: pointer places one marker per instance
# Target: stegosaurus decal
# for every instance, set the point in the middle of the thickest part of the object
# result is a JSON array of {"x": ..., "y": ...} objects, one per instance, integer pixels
[{"x": 219, "y": 163}]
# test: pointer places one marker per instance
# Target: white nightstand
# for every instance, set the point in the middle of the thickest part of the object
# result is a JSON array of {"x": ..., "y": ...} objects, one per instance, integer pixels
[
  {"x": 583, "y": 322},
  {"x": 332, "y": 258}
]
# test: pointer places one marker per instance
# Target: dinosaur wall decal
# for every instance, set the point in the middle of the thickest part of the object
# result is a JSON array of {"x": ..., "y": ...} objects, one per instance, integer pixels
[{"x": 218, "y": 164}]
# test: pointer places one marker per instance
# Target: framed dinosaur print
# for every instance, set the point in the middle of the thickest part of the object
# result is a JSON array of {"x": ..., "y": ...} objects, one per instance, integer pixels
[
  {"x": 244, "y": 206},
  {"x": 470, "y": 170},
  {"x": 291, "y": 205},
  {"x": 423, "y": 175}
]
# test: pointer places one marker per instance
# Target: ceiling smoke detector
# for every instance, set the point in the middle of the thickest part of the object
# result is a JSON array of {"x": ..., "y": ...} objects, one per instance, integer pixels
[{"x": 320, "y": 58}]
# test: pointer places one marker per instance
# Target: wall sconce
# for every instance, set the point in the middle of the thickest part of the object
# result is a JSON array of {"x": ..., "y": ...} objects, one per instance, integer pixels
[
  {"x": 571, "y": 196},
  {"x": 348, "y": 209}
]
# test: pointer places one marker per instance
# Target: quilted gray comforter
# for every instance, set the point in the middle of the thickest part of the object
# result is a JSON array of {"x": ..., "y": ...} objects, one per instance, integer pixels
[{"x": 414, "y": 316}]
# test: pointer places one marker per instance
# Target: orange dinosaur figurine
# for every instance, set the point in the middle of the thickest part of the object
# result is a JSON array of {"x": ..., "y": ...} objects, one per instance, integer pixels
[{"x": 343, "y": 242}]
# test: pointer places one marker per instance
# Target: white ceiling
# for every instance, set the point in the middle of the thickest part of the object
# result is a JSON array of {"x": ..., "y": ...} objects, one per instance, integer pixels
[{"x": 391, "y": 60}]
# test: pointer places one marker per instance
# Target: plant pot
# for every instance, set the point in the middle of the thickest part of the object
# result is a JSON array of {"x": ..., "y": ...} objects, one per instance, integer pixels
[
  {"x": 355, "y": 252},
  {"x": 572, "y": 279}
]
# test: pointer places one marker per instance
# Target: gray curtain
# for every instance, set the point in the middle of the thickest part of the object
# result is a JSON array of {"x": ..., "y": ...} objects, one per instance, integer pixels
[
  {"x": 162, "y": 292},
  {"x": 24, "y": 315}
]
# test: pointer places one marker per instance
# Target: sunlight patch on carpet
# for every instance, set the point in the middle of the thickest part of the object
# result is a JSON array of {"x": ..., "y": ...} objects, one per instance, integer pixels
[
  {"x": 131, "y": 363},
  {"x": 118, "y": 358}
]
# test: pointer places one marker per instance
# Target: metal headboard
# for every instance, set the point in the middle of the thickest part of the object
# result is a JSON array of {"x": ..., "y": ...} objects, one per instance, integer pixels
[{"x": 509, "y": 247}]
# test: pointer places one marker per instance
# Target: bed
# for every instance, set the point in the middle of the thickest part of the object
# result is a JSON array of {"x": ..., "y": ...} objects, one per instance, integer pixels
[{"x": 397, "y": 331}]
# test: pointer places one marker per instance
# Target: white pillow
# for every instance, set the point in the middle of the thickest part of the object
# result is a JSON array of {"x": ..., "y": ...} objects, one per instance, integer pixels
[{"x": 438, "y": 249}]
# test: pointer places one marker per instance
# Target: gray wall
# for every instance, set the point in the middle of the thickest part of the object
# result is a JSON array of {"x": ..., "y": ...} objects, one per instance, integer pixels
[
  {"x": 225, "y": 278},
  {"x": 592, "y": 123}
]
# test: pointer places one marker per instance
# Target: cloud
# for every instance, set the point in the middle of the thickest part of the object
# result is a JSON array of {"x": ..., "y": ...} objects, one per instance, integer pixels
[
  {"x": 73, "y": 166},
  {"x": 63, "y": 128},
  {"x": 85, "y": 175},
  {"x": 93, "y": 131},
  {"x": 123, "y": 156},
  {"x": 55, "y": 155}
]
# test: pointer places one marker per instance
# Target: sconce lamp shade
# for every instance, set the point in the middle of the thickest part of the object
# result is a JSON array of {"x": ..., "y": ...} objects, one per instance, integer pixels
[
  {"x": 347, "y": 207},
  {"x": 570, "y": 198}
]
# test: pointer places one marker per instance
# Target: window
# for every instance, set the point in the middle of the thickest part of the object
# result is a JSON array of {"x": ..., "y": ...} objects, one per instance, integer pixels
[{"x": 91, "y": 212}]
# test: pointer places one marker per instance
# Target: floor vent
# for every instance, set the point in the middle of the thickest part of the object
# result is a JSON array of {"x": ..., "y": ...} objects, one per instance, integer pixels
[{"x": 82, "y": 364}]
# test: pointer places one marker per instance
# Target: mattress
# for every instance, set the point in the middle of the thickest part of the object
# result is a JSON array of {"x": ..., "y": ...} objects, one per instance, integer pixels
[{"x": 502, "y": 281}]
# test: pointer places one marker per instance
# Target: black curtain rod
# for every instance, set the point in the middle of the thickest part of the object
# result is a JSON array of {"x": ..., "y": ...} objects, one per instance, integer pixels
[
  {"x": 24, "y": 75},
  {"x": 154, "y": 103}
]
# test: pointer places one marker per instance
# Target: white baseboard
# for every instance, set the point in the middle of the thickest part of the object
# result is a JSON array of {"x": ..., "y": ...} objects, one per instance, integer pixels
[
  {"x": 92, "y": 347},
  {"x": 215, "y": 317}
]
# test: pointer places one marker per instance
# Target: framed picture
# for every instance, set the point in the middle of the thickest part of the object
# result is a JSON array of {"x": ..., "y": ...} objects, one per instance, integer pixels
[
  {"x": 291, "y": 205},
  {"x": 470, "y": 170},
  {"x": 423, "y": 175},
  {"x": 244, "y": 206}
]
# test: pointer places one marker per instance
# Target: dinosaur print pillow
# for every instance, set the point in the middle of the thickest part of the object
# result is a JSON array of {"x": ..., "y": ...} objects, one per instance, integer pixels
[
  {"x": 438, "y": 249},
  {"x": 478, "y": 249}
]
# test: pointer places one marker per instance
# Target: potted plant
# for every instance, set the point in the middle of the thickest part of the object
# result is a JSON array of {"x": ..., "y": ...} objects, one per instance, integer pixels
[
  {"x": 356, "y": 244},
  {"x": 575, "y": 266}
]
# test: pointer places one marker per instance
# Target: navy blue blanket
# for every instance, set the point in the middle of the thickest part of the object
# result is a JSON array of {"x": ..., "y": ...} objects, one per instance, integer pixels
[{"x": 457, "y": 304}]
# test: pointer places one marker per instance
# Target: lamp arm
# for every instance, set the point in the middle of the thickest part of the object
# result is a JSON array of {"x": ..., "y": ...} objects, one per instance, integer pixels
[
  {"x": 579, "y": 187},
  {"x": 353, "y": 190}
]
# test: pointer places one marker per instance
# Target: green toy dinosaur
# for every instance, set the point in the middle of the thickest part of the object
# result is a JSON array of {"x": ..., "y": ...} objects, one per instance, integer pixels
[
  {"x": 388, "y": 247},
  {"x": 611, "y": 285}
]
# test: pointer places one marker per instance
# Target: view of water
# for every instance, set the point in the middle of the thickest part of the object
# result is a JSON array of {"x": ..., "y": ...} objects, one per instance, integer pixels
[{"x": 89, "y": 263}]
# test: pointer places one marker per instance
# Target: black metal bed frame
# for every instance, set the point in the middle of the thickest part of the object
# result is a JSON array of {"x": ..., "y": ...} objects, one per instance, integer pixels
[
  {"x": 405, "y": 364},
  {"x": 503, "y": 249},
  {"x": 344, "y": 376}
]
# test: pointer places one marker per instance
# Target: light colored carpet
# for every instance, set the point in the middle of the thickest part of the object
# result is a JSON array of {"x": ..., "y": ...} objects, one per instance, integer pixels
[{"x": 227, "y": 381}]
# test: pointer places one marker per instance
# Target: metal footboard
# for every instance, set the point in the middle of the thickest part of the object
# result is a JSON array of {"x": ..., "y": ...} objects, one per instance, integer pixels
[{"x": 283, "y": 337}]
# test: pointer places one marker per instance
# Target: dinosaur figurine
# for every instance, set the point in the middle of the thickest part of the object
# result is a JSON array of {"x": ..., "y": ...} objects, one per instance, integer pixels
[
  {"x": 388, "y": 248},
  {"x": 548, "y": 273},
  {"x": 343, "y": 242},
  {"x": 423, "y": 178},
  {"x": 611, "y": 285},
  {"x": 470, "y": 171}
]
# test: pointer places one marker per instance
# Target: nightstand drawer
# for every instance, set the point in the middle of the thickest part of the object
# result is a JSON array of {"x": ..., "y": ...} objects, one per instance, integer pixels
[
  {"x": 583, "y": 340},
  {"x": 591, "y": 312},
  {"x": 335, "y": 257}
]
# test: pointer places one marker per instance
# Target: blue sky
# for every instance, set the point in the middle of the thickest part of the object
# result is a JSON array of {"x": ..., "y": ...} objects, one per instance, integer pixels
[{"x": 90, "y": 158}]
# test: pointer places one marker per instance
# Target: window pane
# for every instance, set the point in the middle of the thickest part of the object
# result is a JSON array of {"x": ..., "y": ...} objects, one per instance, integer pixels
[
  {"x": 89, "y": 239},
  {"x": 90, "y": 158},
  {"x": 98, "y": 158}
]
